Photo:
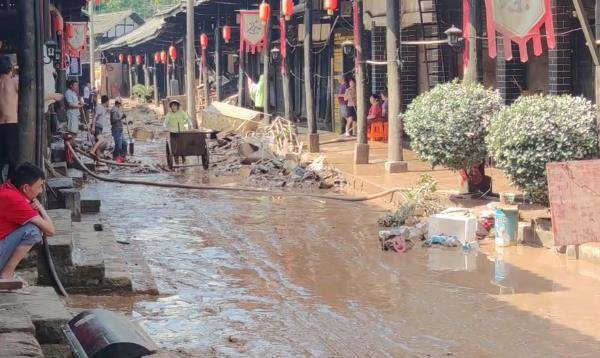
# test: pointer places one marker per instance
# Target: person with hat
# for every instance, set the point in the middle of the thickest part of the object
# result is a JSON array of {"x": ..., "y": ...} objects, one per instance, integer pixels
[
  {"x": 177, "y": 120},
  {"x": 116, "y": 121}
]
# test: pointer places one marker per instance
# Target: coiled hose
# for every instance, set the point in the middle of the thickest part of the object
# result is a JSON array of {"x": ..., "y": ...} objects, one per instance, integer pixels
[{"x": 227, "y": 188}]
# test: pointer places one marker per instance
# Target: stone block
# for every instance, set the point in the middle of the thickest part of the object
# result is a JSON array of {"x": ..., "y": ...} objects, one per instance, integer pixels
[
  {"x": 20, "y": 345},
  {"x": 541, "y": 234},
  {"x": 590, "y": 252},
  {"x": 60, "y": 168},
  {"x": 90, "y": 201},
  {"x": 396, "y": 167},
  {"x": 72, "y": 200},
  {"x": 57, "y": 152},
  {"x": 57, "y": 351},
  {"x": 77, "y": 176},
  {"x": 60, "y": 183},
  {"x": 14, "y": 318},
  {"x": 361, "y": 153}
]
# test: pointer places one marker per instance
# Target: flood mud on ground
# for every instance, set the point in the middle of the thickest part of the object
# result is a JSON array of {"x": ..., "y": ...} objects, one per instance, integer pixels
[{"x": 254, "y": 275}]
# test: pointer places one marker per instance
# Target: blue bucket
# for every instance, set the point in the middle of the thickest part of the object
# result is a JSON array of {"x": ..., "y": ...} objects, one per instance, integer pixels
[{"x": 506, "y": 226}]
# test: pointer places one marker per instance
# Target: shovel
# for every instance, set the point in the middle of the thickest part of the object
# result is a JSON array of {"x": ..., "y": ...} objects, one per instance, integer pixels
[{"x": 131, "y": 144}]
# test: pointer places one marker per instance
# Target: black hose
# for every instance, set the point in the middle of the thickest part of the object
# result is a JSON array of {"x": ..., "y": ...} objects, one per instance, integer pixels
[{"x": 57, "y": 284}]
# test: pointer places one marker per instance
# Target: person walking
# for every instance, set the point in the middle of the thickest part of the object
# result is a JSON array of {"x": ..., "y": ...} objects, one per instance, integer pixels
[
  {"x": 9, "y": 124},
  {"x": 177, "y": 121},
  {"x": 350, "y": 97},
  {"x": 343, "y": 103},
  {"x": 117, "y": 116}
]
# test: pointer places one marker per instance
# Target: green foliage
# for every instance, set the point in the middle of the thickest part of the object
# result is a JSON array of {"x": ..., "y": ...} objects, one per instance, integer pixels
[
  {"x": 540, "y": 129},
  {"x": 143, "y": 92},
  {"x": 145, "y": 8},
  {"x": 448, "y": 124}
]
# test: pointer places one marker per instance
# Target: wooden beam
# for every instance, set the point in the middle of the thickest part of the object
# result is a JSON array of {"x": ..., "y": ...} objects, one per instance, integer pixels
[
  {"x": 313, "y": 136},
  {"x": 590, "y": 39}
]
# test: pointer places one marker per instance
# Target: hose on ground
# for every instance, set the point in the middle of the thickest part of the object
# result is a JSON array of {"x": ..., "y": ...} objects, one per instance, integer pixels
[
  {"x": 106, "y": 161},
  {"x": 227, "y": 188},
  {"x": 57, "y": 284}
]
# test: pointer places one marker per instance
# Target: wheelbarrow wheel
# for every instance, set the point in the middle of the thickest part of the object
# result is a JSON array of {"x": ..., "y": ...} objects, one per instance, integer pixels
[
  {"x": 169, "y": 156},
  {"x": 205, "y": 161}
]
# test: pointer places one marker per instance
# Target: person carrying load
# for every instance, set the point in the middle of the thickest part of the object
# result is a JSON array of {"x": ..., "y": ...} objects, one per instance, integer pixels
[{"x": 177, "y": 121}]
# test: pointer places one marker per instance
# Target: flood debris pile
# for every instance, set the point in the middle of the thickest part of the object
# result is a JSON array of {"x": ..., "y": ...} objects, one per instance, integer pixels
[
  {"x": 272, "y": 157},
  {"x": 406, "y": 226}
]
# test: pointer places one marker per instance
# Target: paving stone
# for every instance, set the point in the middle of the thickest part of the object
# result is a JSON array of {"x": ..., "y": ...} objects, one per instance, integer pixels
[
  {"x": 60, "y": 168},
  {"x": 57, "y": 152},
  {"x": 72, "y": 200},
  {"x": 90, "y": 201},
  {"x": 20, "y": 345},
  {"x": 142, "y": 279},
  {"x": 14, "y": 318},
  {"x": 46, "y": 310},
  {"x": 57, "y": 351},
  {"x": 77, "y": 176}
]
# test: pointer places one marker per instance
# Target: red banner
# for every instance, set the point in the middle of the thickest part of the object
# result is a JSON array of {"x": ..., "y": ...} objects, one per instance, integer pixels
[
  {"x": 253, "y": 32},
  {"x": 75, "y": 38},
  {"x": 517, "y": 21}
]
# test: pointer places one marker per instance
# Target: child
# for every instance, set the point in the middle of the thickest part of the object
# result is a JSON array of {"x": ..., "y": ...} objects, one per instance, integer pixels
[{"x": 375, "y": 110}]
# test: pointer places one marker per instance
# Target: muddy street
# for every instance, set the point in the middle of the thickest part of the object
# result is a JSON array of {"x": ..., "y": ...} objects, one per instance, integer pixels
[{"x": 255, "y": 275}]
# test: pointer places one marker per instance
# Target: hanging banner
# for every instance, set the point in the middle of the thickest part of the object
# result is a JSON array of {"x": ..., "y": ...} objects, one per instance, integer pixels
[
  {"x": 518, "y": 21},
  {"x": 75, "y": 39},
  {"x": 253, "y": 32},
  {"x": 283, "y": 45}
]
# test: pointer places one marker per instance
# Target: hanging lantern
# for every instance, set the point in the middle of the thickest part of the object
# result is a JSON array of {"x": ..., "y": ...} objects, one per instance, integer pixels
[
  {"x": 121, "y": 58},
  {"x": 173, "y": 53},
  {"x": 157, "y": 57},
  {"x": 227, "y": 33},
  {"x": 264, "y": 12},
  {"x": 130, "y": 60},
  {"x": 138, "y": 59},
  {"x": 287, "y": 9},
  {"x": 57, "y": 22},
  {"x": 204, "y": 41},
  {"x": 163, "y": 56},
  {"x": 331, "y": 6}
]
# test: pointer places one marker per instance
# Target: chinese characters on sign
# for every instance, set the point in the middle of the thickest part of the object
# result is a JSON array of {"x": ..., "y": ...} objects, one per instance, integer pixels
[{"x": 253, "y": 32}]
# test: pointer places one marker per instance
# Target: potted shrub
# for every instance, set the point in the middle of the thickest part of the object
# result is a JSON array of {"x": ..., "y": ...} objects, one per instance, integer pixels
[
  {"x": 448, "y": 125},
  {"x": 536, "y": 130}
]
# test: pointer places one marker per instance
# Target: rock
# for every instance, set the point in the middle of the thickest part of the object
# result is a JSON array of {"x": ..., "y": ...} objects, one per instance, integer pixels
[
  {"x": 19, "y": 345},
  {"x": 415, "y": 234}
]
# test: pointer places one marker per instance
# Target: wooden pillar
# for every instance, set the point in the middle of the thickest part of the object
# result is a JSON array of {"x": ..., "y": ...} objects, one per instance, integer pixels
[
  {"x": 130, "y": 71},
  {"x": 146, "y": 71},
  {"x": 361, "y": 150},
  {"x": 597, "y": 66},
  {"x": 285, "y": 73},
  {"x": 27, "y": 82},
  {"x": 155, "y": 83},
  {"x": 241, "y": 74},
  {"x": 190, "y": 64},
  {"x": 91, "y": 11},
  {"x": 205, "y": 79},
  {"x": 395, "y": 162},
  {"x": 218, "y": 61},
  {"x": 313, "y": 136},
  {"x": 266, "y": 68}
]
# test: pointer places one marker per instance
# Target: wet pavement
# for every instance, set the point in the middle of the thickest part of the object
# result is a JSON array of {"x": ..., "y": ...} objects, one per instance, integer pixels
[{"x": 253, "y": 275}]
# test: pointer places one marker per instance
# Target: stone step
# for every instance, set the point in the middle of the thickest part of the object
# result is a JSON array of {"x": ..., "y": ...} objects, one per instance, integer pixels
[
  {"x": 72, "y": 201},
  {"x": 46, "y": 311},
  {"x": 15, "y": 319},
  {"x": 77, "y": 176},
  {"x": 89, "y": 163},
  {"x": 20, "y": 344},
  {"x": 57, "y": 152},
  {"x": 90, "y": 201},
  {"x": 60, "y": 183},
  {"x": 60, "y": 167}
]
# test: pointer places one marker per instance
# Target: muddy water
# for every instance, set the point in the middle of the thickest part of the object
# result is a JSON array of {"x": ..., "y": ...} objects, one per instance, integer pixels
[{"x": 246, "y": 275}]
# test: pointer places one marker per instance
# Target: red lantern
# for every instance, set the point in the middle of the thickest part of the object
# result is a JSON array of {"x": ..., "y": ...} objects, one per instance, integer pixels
[
  {"x": 204, "y": 41},
  {"x": 130, "y": 60},
  {"x": 264, "y": 12},
  {"x": 57, "y": 22},
  {"x": 121, "y": 58},
  {"x": 287, "y": 8},
  {"x": 157, "y": 58},
  {"x": 70, "y": 30},
  {"x": 227, "y": 33},
  {"x": 138, "y": 59},
  {"x": 163, "y": 56},
  {"x": 173, "y": 53},
  {"x": 331, "y": 6}
]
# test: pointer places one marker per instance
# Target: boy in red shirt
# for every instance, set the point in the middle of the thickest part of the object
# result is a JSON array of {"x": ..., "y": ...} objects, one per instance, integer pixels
[{"x": 22, "y": 218}]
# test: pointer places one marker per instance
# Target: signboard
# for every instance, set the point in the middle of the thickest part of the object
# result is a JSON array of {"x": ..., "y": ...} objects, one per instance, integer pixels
[
  {"x": 574, "y": 192},
  {"x": 518, "y": 21},
  {"x": 75, "y": 39},
  {"x": 253, "y": 32}
]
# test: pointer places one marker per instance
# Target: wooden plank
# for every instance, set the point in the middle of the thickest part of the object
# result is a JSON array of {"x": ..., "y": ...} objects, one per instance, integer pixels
[
  {"x": 10, "y": 284},
  {"x": 587, "y": 31},
  {"x": 574, "y": 193}
]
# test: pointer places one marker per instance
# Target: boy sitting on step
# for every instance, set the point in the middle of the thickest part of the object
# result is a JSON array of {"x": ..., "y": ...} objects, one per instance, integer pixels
[{"x": 23, "y": 219}]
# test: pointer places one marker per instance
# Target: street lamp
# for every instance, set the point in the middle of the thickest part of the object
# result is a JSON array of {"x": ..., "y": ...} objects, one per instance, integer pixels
[
  {"x": 455, "y": 39},
  {"x": 348, "y": 48},
  {"x": 51, "y": 47},
  {"x": 275, "y": 54}
]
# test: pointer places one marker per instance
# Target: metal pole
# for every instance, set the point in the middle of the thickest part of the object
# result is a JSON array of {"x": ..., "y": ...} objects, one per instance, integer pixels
[
  {"x": 241, "y": 76},
  {"x": 92, "y": 45},
  {"x": 285, "y": 74},
  {"x": 395, "y": 162},
  {"x": 130, "y": 70},
  {"x": 205, "y": 79},
  {"x": 361, "y": 150},
  {"x": 146, "y": 71},
  {"x": 190, "y": 53},
  {"x": 313, "y": 136},
  {"x": 266, "y": 63},
  {"x": 218, "y": 62},
  {"x": 27, "y": 82}
]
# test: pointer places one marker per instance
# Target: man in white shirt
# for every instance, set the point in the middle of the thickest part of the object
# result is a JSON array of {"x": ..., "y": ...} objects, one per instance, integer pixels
[
  {"x": 74, "y": 106},
  {"x": 100, "y": 121},
  {"x": 87, "y": 91}
]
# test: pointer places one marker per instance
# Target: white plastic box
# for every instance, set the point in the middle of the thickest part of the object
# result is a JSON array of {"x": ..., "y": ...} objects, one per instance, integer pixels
[{"x": 453, "y": 222}]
